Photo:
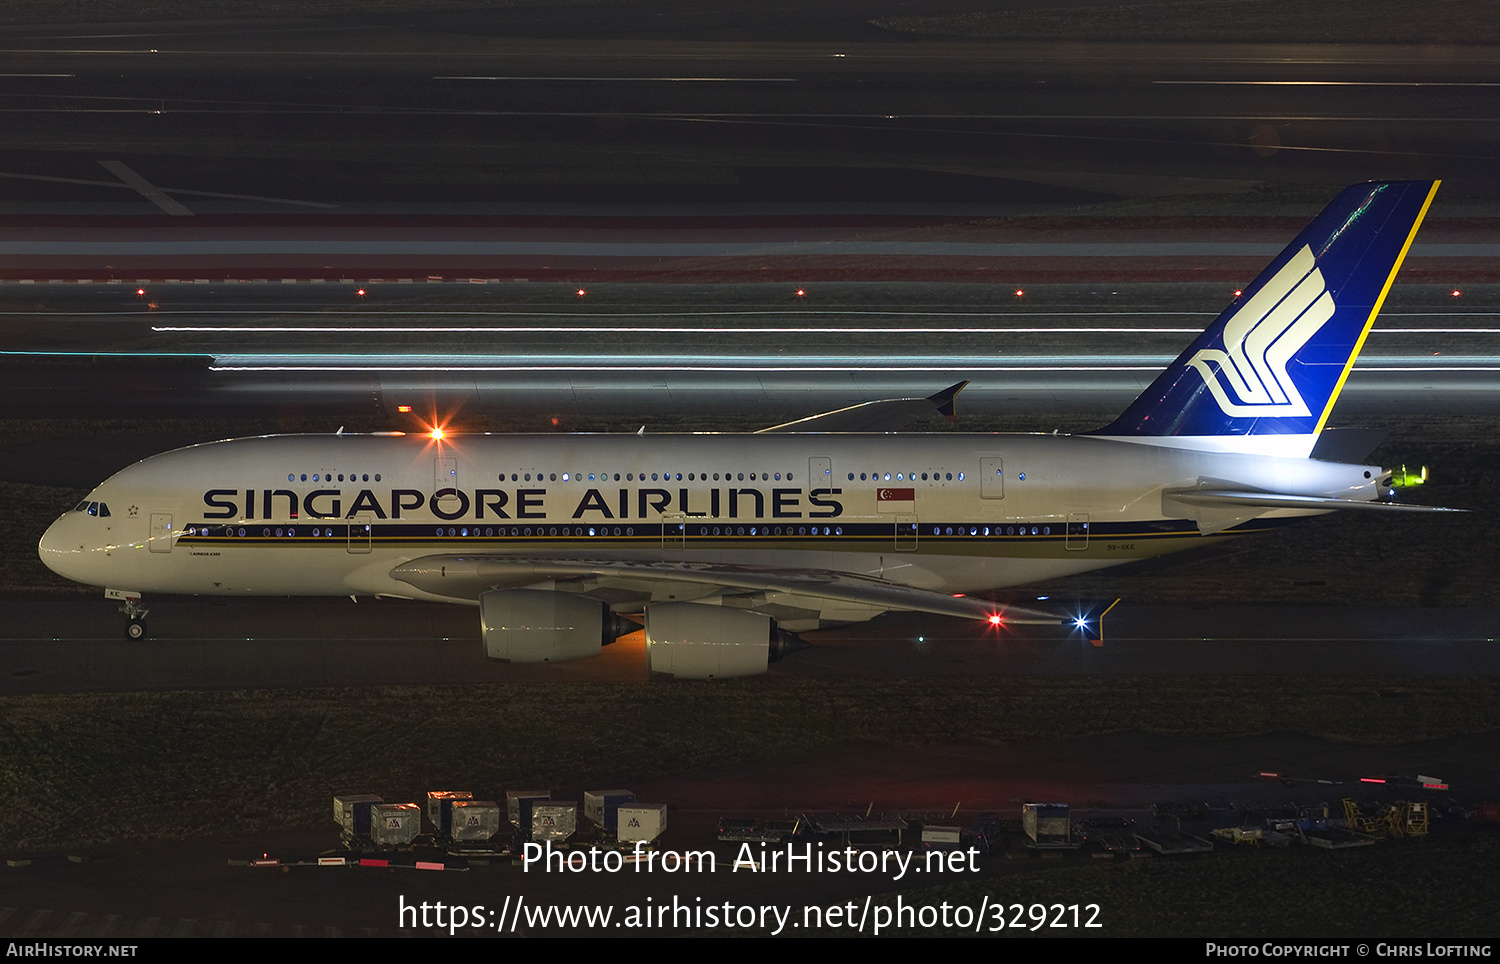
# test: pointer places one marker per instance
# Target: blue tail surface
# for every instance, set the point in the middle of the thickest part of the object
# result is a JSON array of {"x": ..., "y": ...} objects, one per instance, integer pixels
[{"x": 1265, "y": 375}]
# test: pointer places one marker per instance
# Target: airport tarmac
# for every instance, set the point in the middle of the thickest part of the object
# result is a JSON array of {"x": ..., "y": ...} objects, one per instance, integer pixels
[
  {"x": 49, "y": 646},
  {"x": 390, "y": 653}
]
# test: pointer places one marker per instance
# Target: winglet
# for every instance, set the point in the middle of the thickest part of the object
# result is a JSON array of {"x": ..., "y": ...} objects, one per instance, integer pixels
[
  {"x": 946, "y": 400},
  {"x": 884, "y": 415},
  {"x": 1091, "y": 622}
]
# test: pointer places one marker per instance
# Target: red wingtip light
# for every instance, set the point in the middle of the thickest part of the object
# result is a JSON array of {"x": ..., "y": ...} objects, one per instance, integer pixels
[
  {"x": 141, "y": 292},
  {"x": 360, "y": 293},
  {"x": 581, "y": 292},
  {"x": 1456, "y": 292},
  {"x": 1020, "y": 292},
  {"x": 801, "y": 292}
]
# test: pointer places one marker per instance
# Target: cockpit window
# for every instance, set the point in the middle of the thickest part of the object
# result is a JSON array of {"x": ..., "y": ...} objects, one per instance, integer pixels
[
  {"x": 103, "y": 510},
  {"x": 100, "y": 509},
  {"x": 83, "y": 506}
]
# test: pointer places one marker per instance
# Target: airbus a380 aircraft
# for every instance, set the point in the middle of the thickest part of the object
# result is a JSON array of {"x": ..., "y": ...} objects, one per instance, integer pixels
[{"x": 730, "y": 543}]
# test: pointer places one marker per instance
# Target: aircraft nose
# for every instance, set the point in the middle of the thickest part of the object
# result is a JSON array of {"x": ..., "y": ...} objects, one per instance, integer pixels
[{"x": 60, "y": 548}]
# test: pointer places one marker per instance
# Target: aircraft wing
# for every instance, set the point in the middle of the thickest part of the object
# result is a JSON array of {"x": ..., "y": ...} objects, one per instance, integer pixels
[
  {"x": 468, "y": 576},
  {"x": 886, "y": 415}
]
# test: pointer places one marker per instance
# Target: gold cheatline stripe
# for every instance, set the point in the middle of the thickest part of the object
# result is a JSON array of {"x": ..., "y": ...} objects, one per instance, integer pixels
[{"x": 1379, "y": 302}]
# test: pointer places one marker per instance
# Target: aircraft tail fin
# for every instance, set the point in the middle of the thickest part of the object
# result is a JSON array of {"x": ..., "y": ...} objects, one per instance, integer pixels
[{"x": 1265, "y": 375}]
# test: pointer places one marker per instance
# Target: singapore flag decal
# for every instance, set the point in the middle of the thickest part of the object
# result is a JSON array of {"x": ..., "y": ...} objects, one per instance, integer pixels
[
  {"x": 1249, "y": 376},
  {"x": 895, "y": 500}
]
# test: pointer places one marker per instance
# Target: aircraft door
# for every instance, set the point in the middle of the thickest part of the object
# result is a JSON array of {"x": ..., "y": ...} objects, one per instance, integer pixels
[
  {"x": 673, "y": 531},
  {"x": 906, "y": 533},
  {"x": 445, "y": 477},
  {"x": 992, "y": 478},
  {"x": 359, "y": 533},
  {"x": 820, "y": 473},
  {"x": 1078, "y": 531},
  {"x": 162, "y": 536}
]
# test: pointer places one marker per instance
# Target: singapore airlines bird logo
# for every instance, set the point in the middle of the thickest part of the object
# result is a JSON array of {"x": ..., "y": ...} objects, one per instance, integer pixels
[{"x": 1249, "y": 376}]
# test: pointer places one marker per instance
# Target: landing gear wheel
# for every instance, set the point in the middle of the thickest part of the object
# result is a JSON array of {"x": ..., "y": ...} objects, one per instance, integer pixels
[{"x": 135, "y": 615}]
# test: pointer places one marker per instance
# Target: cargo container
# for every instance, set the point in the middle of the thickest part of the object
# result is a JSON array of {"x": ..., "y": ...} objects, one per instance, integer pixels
[
  {"x": 553, "y": 822},
  {"x": 642, "y": 822},
  {"x": 394, "y": 824},
  {"x": 600, "y": 807},
  {"x": 351, "y": 811},
  {"x": 1047, "y": 825},
  {"x": 439, "y": 804},
  {"x": 518, "y": 804},
  {"x": 473, "y": 822}
]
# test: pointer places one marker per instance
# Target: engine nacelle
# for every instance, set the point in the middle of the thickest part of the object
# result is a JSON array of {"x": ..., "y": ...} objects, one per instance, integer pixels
[
  {"x": 536, "y": 626},
  {"x": 693, "y": 641}
]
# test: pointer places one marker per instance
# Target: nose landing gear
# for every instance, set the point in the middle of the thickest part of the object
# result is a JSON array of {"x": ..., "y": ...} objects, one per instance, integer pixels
[{"x": 135, "y": 613}]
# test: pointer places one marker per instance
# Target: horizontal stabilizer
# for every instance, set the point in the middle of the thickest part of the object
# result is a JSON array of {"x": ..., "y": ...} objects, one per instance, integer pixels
[
  {"x": 1271, "y": 500},
  {"x": 885, "y": 415}
]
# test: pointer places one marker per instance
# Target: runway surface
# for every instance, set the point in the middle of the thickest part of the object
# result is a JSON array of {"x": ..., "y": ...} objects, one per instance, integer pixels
[
  {"x": 427, "y": 113},
  {"x": 690, "y": 170},
  {"x": 674, "y": 350}
]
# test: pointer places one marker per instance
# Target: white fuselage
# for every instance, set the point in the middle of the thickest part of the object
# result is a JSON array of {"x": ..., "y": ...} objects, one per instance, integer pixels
[{"x": 335, "y": 514}]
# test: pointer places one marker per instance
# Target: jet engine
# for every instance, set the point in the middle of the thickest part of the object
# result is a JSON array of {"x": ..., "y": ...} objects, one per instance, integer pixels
[
  {"x": 536, "y": 626},
  {"x": 693, "y": 641}
]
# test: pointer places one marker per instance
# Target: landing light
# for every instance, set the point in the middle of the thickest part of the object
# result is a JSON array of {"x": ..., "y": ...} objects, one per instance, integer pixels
[
  {"x": 995, "y": 620},
  {"x": 437, "y": 435}
]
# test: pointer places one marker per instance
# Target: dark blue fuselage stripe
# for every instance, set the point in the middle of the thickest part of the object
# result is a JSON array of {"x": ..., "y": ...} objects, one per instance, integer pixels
[{"x": 218, "y": 533}]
